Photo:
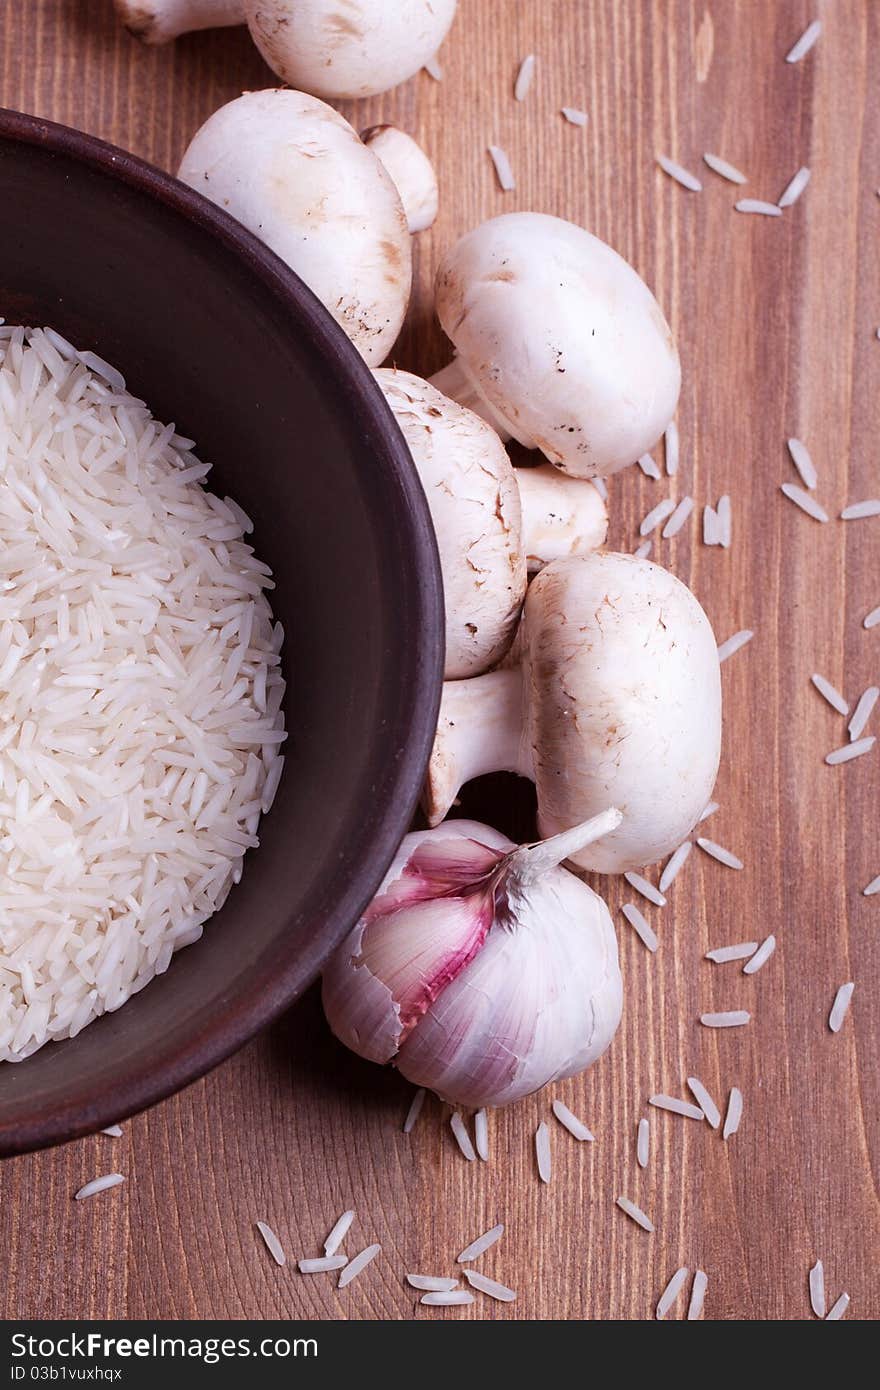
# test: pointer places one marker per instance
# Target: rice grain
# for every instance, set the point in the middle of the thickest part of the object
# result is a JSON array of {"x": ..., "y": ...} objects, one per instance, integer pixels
[
  {"x": 850, "y": 751},
  {"x": 338, "y": 1233},
  {"x": 698, "y": 1296},
  {"x": 710, "y": 1110},
  {"x": 800, "y": 457},
  {"x": 656, "y": 515},
  {"x": 803, "y": 500},
  {"x": 839, "y": 1308},
  {"x": 414, "y": 1111},
  {"x": 481, "y": 1135},
  {"x": 733, "y": 644},
  {"x": 98, "y": 1185},
  {"x": 571, "y": 1122},
  {"x": 674, "y": 865},
  {"x": 542, "y": 1152},
  {"x": 863, "y": 711},
  {"x": 503, "y": 170},
  {"x": 321, "y": 1264},
  {"x": 635, "y": 1214},
  {"x": 453, "y": 1299},
  {"x": 114, "y": 1131},
  {"x": 718, "y": 852},
  {"x": 646, "y": 889},
  {"x": 761, "y": 956},
  {"x": 734, "y": 1018},
  {"x": 817, "y": 1289},
  {"x": 726, "y": 170},
  {"x": 481, "y": 1244},
  {"x": 524, "y": 77},
  {"x": 678, "y": 518},
  {"x": 574, "y": 116},
  {"x": 840, "y": 1007},
  {"x": 676, "y": 1106},
  {"x": 649, "y": 467},
  {"x": 671, "y": 1292},
  {"x": 357, "y": 1265},
  {"x": 721, "y": 954},
  {"x": 462, "y": 1138},
  {"x": 794, "y": 188},
  {"x": 873, "y": 618},
  {"x": 431, "y": 1283},
  {"x": 872, "y": 888},
  {"x": 734, "y": 1113},
  {"x": 490, "y": 1286},
  {"x": 273, "y": 1244},
  {"x": 757, "y": 205},
  {"x": 805, "y": 42},
  {"x": 679, "y": 173},
  {"x": 671, "y": 448},
  {"x": 643, "y": 1143},
  {"x": 828, "y": 692},
  {"x": 857, "y": 510},
  {"x": 640, "y": 926}
]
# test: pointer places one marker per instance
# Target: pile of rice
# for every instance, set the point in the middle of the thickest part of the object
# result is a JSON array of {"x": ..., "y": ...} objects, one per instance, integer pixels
[{"x": 140, "y": 692}]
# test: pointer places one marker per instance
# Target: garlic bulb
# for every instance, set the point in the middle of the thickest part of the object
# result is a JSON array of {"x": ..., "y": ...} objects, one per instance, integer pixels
[{"x": 483, "y": 971}]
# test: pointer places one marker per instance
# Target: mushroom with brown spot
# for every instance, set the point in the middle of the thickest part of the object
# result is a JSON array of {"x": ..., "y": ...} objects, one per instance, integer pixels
[
  {"x": 559, "y": 342},
  {"x": 331, "y": 48},
  {"x": 612, "y": 696},
  {"x": 492, "y": 521},
  {"x": 296, "y": 174}
]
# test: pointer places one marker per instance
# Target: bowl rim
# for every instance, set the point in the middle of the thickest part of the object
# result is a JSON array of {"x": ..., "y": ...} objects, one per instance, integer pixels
[{"x": 145, "y": 1083}]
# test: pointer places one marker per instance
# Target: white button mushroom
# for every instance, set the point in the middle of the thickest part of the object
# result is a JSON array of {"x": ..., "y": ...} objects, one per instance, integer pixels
[
  {"x": 332, "y": 48},
  {"x": 484, "y": 535},
  {"x": 561, "y": 341},
  {"x": 616, "y": 699},
  {"x": 295, "y": 173},
  {"x": 411, "y": 171}
]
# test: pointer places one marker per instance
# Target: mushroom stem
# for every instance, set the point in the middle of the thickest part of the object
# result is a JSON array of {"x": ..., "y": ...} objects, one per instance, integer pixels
[
  {"x": 410, "y": 170},
  {"x": 561, "y": 516},
  {"x": 530, "y": 863},
  {"x": 456, "y": 382},
  {"x": 480, "y": 730},
  {"x": 160, "y": 21}
]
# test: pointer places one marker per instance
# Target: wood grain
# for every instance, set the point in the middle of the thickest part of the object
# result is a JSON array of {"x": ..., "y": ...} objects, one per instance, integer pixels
[{"x": 776, "y": 322}]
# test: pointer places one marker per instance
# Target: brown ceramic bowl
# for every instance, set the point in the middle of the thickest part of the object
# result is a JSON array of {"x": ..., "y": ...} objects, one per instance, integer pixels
[{"x": 217, "y": 334}]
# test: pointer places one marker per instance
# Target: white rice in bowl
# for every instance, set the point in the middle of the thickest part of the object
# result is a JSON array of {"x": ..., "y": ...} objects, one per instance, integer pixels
[{"x": 140, "y": 692}]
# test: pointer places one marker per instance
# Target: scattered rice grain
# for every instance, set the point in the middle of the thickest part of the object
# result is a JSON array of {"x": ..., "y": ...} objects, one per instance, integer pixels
[
  {"x": 636, "y": 1214},
  {"x": 803, "y": 500},
  {"x": 698, "y": 1295},
  {"x": 643, "y": 1143},
  {"x": 761, "y": 956},
  {"x": 863, "y": 711},
  {"x": 800, "y": 457},
  {"x": 679, "y": 173},
  {"x": 524, "y": 77},
  {"x": 710, "y": 526},
  {"x": 431, "y": 1283},
  {"x": 462, "y": 1138},
  {"x": 574, "y": 116},
  {"x": 674, "y": 865},
  {"x": 642, "y": 551},
  {"x": 734, "y": 1018},
  {"x": 671, "y": 448},
  {"x": 656, "y": 515},
  {"x": 676, "y": 1106},
  {"x": 490, "y": 1286},
  {"x": 646, "y": 889},
  {"x": 757, "y": 205},
  {"x": 794, "y": 188},
  {"x": 725, "y": 521},
  {"x": 273, "y": 1244},
  {"x": 414, "y": 1111},
  {"x": 805, "y": 42},
  {"x": 718, "y": 852},
  {"x": 872, "y": 888},
  {"x": 734, "y": 643},
  {"x": 542, "y": 1152},
  {"x": 115, "y": 1131},
  {"x": 338, "y": 1233},
  {"x": 734, "y": 1113},
  {"x": 839, "y": 1308},
  {"x": 357, "y": 1265},
  {"x": 713, "y": 806},
  {"x": 640, "y": 926},
  {"x": 481, "y": 1135},
  {"x": 840, "y": 1007},
  {"x": 481, "y": 1244},
  {"x": 99, "y": 1185},
  {"x": 829, "y": 693},
  {"x": 873, "y": 618},
  {"x": 503, "y": 170},
  {"x": 649, "y": 467},
  {"x": 671, "y": 1292},
  {"x": 817, "y": 1289},
  {"x": 850, "y": 751},
  {"x": 453, "y": 1299},
  {"x": 726, "y": 170},
  {"x": 321, "y": 1264},
  {"x": 857, "y": 510},
  {"x": 433, "y": 69},
  {"x": 721, "y": 954},
  {"x": 571, "y": 1122},
  {"x": 710, "y": 1110},
  {"x": 678, "y": 518}
]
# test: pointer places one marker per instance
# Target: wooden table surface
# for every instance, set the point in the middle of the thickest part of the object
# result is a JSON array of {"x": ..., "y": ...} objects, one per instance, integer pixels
[{"x": 776, "y": 321}]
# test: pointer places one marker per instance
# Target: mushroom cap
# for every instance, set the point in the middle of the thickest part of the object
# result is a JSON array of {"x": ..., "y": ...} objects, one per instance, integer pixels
[
  {"x": 296, "y": 174},
  {"x": 562, "y": 338},
  {"x": 348, "y": 48},
  {"x": 411, "y": 171},
  {"x": 471, "y": 490},
  {"x": 622, "y": 691}
]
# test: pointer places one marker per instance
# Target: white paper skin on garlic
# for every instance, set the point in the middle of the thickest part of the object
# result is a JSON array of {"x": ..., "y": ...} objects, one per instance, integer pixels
[
  {"x": 610, "y": 696},
  {"x": 483, "y": 971}
]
